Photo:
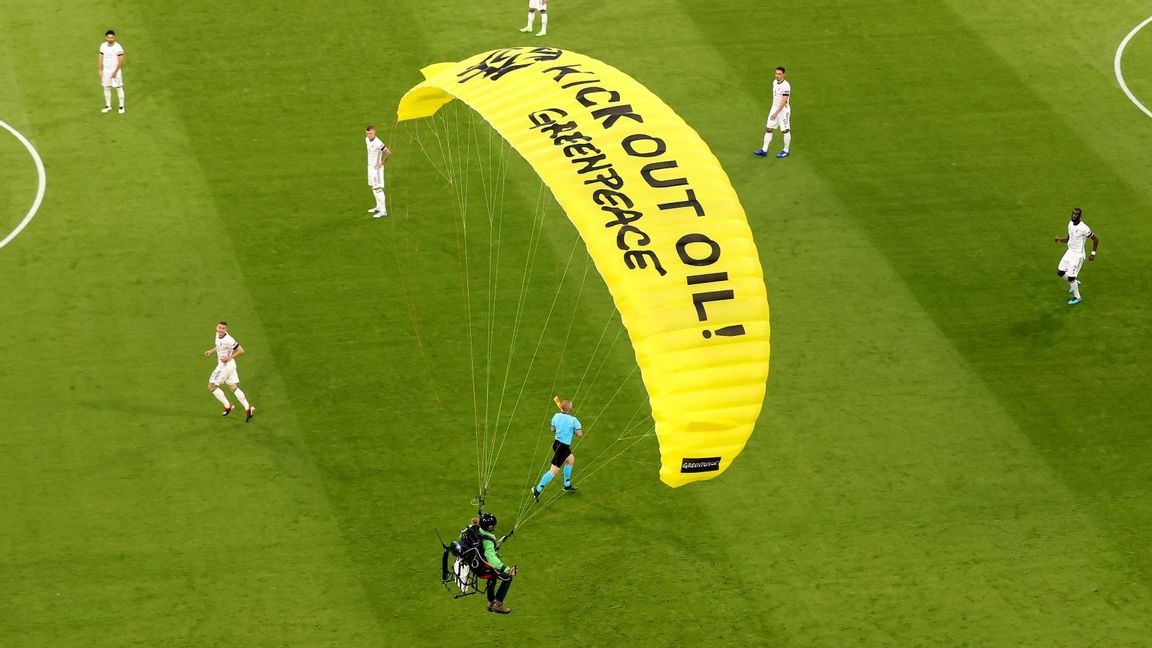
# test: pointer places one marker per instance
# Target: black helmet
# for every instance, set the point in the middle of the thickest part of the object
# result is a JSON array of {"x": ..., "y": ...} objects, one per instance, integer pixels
[{"x": 487, "y": 521}]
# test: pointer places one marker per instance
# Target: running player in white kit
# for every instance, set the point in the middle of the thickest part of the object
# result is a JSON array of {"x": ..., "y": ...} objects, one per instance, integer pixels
[
  {"x": 1069, "y": 268},
  {"x": 111, "y": 70},
  {"x": 780, "y": 116},
  {"x": 227, "y": 349}
]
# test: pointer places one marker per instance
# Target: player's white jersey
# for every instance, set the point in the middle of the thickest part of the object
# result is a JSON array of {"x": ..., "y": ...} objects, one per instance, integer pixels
[
  {"x": 375, "y": 151},
  {"x": 781, "y": 89},
  {"x": 111, "y": 54},
  {"x": 224, "y": 345},
  {"x": 1076, "y": 236}
]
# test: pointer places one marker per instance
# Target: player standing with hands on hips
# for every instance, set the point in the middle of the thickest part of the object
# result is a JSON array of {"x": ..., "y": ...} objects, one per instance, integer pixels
[
  {"x": 378, "y": 154},
  {"x": 1070, "y": 263},
  {"x": 111, "y": 70},
  {"x": 227, "y": 349}
]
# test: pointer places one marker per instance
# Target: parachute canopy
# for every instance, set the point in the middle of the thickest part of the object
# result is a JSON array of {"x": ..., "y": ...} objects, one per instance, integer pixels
[{"x": 662, "y": 224}]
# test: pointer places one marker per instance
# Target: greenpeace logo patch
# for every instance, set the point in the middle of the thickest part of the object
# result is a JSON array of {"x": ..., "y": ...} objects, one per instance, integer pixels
[
  {"x": 501, "y": 62},
  {"x": 699, "y": 464}
]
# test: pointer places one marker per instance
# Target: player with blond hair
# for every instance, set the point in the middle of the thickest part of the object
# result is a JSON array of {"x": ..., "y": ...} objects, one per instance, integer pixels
[
  {"x": 378, "y": 154},
  {"x": 564, "y": 425}
]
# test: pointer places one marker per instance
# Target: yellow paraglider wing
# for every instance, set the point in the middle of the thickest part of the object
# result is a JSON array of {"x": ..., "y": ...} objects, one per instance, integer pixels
[{"x": 662, "y": 223}]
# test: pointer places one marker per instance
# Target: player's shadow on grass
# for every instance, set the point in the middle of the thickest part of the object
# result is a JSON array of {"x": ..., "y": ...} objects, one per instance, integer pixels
[{"x": 1045, "y": 326}]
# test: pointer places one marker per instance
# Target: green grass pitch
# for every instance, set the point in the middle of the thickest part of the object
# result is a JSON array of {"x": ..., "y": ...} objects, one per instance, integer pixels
[{"x": 949, "y": 455}]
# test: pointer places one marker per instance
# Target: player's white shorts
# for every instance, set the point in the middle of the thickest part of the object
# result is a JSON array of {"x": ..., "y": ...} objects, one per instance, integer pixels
[
  {"x": 783, "y": 120},
  {"x": 537, "y": 4},
  {"x": 375, "y": 176},
  {"x": 113, "y": 80},
  {"x": 225, "y": 374},
  {"x": 1070, "y": 263}
]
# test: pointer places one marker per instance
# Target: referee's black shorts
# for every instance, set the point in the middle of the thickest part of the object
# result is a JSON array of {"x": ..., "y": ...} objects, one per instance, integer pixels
[{"x": 561, "y": 451}]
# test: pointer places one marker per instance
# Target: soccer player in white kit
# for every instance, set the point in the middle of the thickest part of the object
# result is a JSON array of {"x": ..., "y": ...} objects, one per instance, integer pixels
[
  {"x": 1070, "y": 263},
  {"x": 227, "y": 349},
  {"x": 111, "y": 70},
  {"x": 780, "y": 116},
  {"x": 533, "y": 7},
  {"x": 378, "y": 154}
]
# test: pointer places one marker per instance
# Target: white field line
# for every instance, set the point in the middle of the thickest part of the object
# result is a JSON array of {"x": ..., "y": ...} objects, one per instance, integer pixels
[
  {"x": 43, "y": 184},
  {"x": 1120, "y": 74}
]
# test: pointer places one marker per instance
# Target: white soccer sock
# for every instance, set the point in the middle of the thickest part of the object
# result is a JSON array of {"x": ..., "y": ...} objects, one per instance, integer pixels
[
  {"x": 1076, "y": 289},
  {"x": 787, "y": 140},
  {"x": 219, "y": 394},
  {"x": 239, "y": 394},
  {"x": 120, "y": 94},
  {"x": 381, "y": 202},
  {"x": 108, "y": 97},
  {"x": 767, "y": 140},
  {"x": 543, "y": 21},
  {"x": 531, "y": 18}
]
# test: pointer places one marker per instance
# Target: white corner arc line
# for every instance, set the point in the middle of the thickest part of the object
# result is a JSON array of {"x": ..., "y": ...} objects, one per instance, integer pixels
[
  {"x": 1120, "y": 75},
  {"x": 43, "y": 184}
]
